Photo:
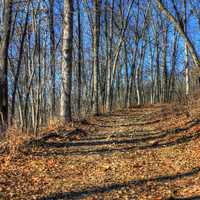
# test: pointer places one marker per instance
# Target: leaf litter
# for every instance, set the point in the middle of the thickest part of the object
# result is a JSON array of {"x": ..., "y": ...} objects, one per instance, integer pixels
[{"x": 140, "y": 153}]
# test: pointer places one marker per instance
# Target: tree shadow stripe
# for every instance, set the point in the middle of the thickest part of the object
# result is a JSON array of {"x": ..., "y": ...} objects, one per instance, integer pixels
[{"x": 117, "y": 186}]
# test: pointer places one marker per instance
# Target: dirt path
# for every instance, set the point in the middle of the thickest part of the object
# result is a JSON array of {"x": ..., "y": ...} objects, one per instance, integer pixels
[{"x": 143, "y": 153}]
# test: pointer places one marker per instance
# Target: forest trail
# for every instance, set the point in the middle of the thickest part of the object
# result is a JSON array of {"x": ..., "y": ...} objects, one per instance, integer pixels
[{"x": 141, "y": 153}]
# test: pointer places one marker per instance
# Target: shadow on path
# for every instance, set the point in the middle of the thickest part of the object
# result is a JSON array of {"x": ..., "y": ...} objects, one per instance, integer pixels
[
  {"x": 109, "y": 150},
  {"x": 117, "y": 186},
  {"x": 96, "y": 146}
]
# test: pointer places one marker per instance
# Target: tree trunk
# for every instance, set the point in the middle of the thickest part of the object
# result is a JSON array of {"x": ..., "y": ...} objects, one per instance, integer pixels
[
  {"x": 53, "y": 58},
  {"x": 7, "y": 20},
  {"x": 96, "y": 33},
  {"x": 79, "y": 57},
  {"x": 157, "y": 84},
  {"x": 126, "y": 76},
  {"x": 164, "y": 65},
  {"x": 19, "y": 66},
  {"x": 173, "y": 67},
  {"x": 187, "y": 86},
  {"x": 66, "y": 71},
  {"x": 108, "y": 89}
]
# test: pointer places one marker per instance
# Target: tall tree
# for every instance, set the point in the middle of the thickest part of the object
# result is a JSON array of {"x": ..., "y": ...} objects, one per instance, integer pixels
[
  {"x": 108, "y": 80},
  {"x": 4, "y": 46},
  {"x": 79, "y": 56},
  {"x": 187, "y": 86},
  {"x": 157, "y": 63},
  {"x": 164, "y": 63},
  {"x": 53, "y": 56},
  {"x": 21, "y": 50},
  {"x": 173, "y": 68},
  {"x": 66, "y": 69},
  {"x": 96, "y": 35},
  {"x": 180, "y": 28}
]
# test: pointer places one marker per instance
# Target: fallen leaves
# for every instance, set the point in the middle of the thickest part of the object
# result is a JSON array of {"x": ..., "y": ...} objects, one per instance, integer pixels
[{"x": 122, "y": 156}]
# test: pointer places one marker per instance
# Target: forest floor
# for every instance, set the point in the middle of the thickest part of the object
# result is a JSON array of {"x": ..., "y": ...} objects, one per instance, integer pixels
[{"x": 151, "y": 152}]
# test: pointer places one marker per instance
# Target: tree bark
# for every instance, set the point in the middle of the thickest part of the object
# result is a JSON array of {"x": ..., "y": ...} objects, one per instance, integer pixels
[
  {"x": 4, "y": 63},
  {"x": 157, "y": 84},
  {"x": 53, "y": 57},
  {"x": 66, "y": 71},
  {"x": 79, "y": 56},
  {"x": 164, "y": 65},
  {"x": 19, "y": 65},
  {"x": 173, "y": 69},
  {"x": 187, "y": 83},
  {"x": 108, "y": 85},
  {"x": 96, "y": 33}
]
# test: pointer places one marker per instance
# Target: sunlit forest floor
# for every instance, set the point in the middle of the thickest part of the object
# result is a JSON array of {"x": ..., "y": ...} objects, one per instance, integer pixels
[{"x": 150, "y": 152}]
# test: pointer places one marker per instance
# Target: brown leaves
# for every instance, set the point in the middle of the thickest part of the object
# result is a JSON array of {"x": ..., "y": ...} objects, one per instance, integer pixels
[{"x": 124, "y": 156}]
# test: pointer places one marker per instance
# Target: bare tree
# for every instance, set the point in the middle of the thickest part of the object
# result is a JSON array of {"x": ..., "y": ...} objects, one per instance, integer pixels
[
  {"x": 164, "y": 63},
  {"x": 109, "y": 67},
  {"x": 179, "y": 26},
  {"x": 67, "y": 45},
  {"x": 19, "y": 64},
  {"x": 79, "y": 56},
  {"x": 96, "y": 33},
  {"x": 4, "y": 47},
  {"x": 187, "y": 86},
  {"x": 53, "y": 56}
]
